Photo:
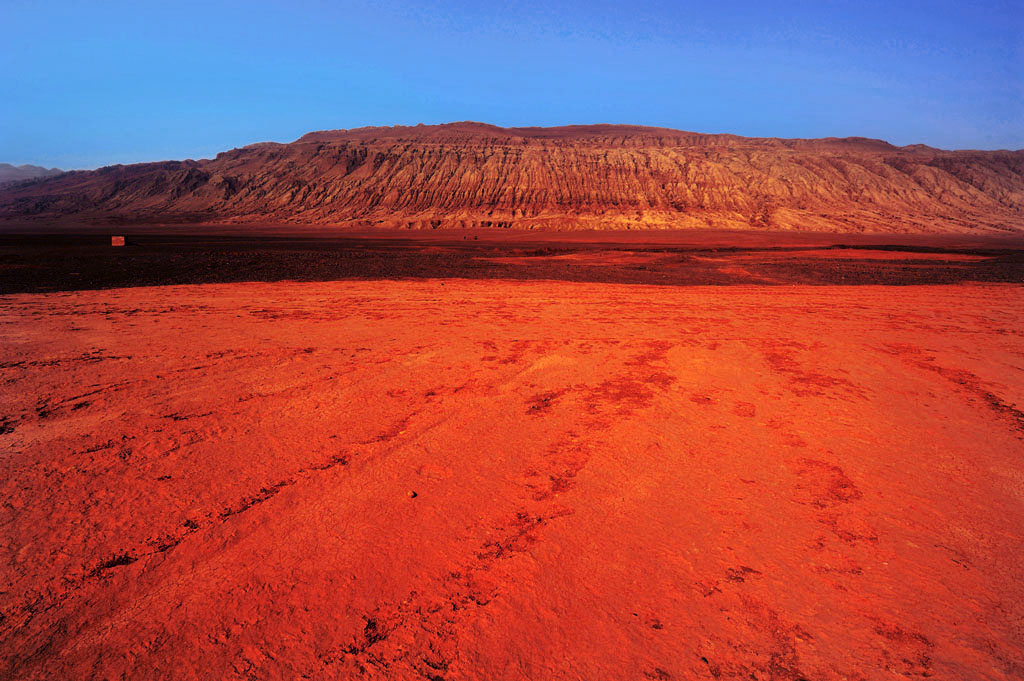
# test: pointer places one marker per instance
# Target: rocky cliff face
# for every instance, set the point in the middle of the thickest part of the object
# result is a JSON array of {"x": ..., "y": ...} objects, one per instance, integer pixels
[{"x": 576, "y": 177}]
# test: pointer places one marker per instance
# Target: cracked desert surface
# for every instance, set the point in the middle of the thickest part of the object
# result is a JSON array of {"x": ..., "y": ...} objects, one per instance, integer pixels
[{"x": 458, "y": 479}]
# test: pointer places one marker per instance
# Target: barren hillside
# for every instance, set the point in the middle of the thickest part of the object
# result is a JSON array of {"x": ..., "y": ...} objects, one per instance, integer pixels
[{"x": 576, "y": 177}]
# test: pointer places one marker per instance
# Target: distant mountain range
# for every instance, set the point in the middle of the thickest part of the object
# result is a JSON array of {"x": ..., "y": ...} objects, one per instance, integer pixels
[
  {"x": 574, "y": 177},
  {"x": 9, "y": 173}
]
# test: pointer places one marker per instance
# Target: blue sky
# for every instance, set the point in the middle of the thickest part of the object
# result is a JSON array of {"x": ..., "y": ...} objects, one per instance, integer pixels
[{"x": 93, "y": 83}]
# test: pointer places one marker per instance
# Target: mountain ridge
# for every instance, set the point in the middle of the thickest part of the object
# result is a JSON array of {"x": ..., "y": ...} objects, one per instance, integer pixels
[
  {"x": 13, "y": 173},
  {"x": 470, "y": 174}
]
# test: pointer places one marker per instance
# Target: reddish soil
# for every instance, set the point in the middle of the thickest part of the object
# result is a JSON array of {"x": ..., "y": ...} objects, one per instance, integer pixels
[{"x": 466, "y": 479}]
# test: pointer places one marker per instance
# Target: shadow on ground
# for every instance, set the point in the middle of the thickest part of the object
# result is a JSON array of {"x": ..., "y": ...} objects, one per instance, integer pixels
[{"x": 67, "y": 263}]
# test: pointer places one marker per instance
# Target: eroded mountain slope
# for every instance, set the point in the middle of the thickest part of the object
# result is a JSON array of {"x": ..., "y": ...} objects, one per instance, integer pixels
[{"x": 577, "y": 177}]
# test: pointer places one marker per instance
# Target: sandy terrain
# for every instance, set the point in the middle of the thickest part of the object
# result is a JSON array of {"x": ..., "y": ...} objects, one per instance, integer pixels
[
  {"x": 617, "y": 258},
  {"x": 459, "y": 479}
]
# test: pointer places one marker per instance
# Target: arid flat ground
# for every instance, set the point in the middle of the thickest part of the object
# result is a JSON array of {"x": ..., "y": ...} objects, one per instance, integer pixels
[
  {"x": 189, "y": 254},
  {"x": 459, "y": 478}
]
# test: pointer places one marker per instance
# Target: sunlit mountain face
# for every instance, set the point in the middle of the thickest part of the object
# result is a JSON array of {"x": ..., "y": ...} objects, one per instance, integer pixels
[{"x": 471, "y": 175}]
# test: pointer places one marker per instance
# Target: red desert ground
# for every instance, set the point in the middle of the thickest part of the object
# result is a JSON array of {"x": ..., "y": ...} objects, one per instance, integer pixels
[{"x": 464, "y": 402}]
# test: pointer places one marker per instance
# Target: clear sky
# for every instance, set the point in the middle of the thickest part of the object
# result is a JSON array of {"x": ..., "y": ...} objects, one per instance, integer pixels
[{"x": 91, "y": 83}]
